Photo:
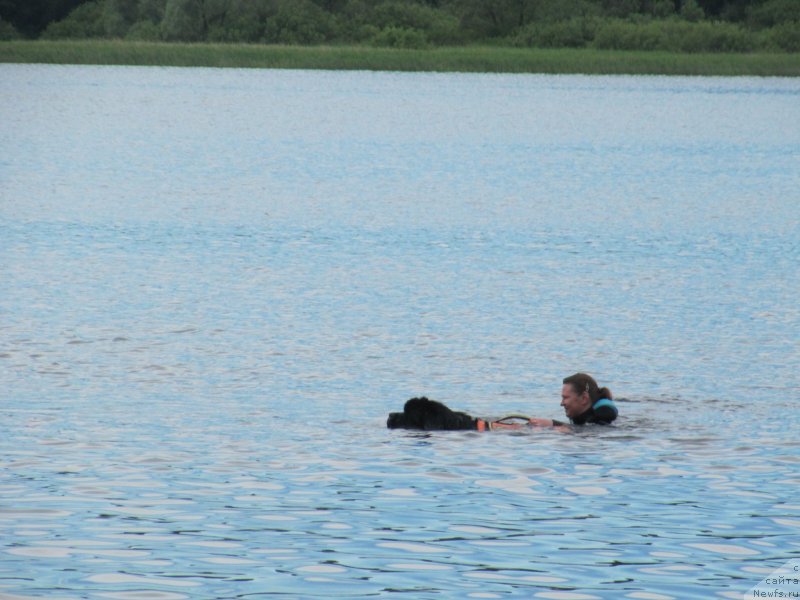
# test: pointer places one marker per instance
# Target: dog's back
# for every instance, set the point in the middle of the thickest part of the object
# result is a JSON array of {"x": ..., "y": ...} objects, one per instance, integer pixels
[{"x": 425, "y": 414}]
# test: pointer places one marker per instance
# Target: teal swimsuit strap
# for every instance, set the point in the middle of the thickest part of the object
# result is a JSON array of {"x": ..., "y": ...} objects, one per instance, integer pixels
[{"x": 604, "y": 402}]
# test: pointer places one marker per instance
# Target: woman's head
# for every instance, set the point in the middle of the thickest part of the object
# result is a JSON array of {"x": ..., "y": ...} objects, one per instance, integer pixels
[{"x": 579, "y": 392}]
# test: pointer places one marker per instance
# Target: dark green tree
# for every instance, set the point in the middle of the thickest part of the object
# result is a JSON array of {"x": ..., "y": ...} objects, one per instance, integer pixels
[
  {"x": 434, "y": 24},
  {"x": 621, "y": 8},
  {"x": 119, "y": 15},
  {"x": 243, "y": 21},
  {"x": 773, "y": 12},
  {"x": 300, "y": 22},
  {"x": 151, "y": 10},
  {"x": 691, "y": 11},
  {"x": 31, "y": 17},
  {"x": 564, "y": 10},
  {"x": 494, "y": 18},
  {"x": 332, "y": 6},
  {"x": 190, "y": 20},
  {"x": 183, "y": 21},
  {"x": 86, "y": 21},
  {"x": 8, "y": 31}
]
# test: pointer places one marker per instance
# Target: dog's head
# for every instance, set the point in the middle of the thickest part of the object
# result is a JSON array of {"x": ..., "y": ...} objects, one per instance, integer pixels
[
  {"x": 422, "y": 413},
  {"x": 414, "y": 415},
  {"x": 397, "y": 421}
]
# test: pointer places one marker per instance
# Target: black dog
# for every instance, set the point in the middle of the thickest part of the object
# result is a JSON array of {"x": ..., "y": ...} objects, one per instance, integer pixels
[{"x": 428, "y": 415}]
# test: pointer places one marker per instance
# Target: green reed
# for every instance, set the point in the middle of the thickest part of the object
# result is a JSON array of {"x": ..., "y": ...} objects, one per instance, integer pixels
[{"x": 464, "y": 59}]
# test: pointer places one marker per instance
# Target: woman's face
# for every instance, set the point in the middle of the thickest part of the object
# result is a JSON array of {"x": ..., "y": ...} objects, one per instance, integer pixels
[{"x": 574, "y": 404}]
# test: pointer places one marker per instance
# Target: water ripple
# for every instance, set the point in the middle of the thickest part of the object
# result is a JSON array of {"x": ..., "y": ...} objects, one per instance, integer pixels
[{"x": 202, "y": 334}]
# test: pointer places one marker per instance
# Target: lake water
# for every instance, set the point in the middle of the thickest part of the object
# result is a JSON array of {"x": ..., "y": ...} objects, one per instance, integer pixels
[{"x": 216, "y": 284}]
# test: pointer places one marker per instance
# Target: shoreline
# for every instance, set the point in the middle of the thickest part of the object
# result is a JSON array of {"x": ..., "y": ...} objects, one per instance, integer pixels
[{"x": 468, "y": 59}]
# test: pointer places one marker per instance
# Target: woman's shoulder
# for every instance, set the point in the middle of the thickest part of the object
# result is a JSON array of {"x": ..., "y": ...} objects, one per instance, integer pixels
[{"x": 604, "y": 411}]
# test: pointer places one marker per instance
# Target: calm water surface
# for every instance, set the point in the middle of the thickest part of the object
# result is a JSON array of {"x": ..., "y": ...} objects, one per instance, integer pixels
[{"x": 215, "y": 284}]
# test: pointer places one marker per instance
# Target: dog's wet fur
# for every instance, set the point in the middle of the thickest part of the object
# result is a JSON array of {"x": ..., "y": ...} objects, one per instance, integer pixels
[{"x": 429, "y": 415}]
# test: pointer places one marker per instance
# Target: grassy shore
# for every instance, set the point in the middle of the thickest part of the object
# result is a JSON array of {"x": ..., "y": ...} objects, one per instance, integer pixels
[{"x": 463, "y": 59}]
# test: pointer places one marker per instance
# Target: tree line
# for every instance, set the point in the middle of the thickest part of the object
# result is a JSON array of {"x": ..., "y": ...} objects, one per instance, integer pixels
[{"x": 674, "y": 25}]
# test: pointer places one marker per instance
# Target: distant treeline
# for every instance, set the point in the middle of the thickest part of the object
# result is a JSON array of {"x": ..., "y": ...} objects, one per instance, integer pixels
[{"x": 672, "y": 25}]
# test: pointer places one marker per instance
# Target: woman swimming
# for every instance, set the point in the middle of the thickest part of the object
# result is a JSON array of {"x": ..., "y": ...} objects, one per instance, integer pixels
[{"x": 582, "y": 399}]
